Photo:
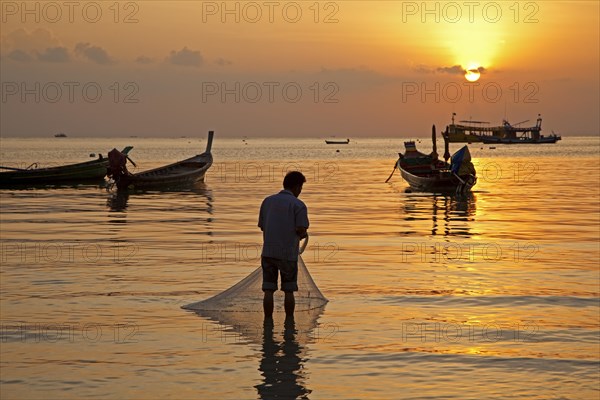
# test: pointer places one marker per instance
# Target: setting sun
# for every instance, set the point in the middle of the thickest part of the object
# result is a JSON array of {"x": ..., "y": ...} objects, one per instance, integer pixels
[{"x": 472, "y": 74}]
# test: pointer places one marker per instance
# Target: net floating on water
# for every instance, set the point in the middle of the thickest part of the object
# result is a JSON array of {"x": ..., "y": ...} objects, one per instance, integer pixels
[{"x": 247, "y": 295}]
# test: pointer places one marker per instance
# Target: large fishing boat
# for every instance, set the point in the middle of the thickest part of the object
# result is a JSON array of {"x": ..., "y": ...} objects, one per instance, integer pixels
[{"x": 477, "y": 131}]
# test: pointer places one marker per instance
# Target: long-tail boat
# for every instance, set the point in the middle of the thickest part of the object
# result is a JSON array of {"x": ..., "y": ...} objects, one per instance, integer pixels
[
  {"x": 85, "y": 172},
  {"x": 427, "y": 173},
  {"x": 176, "y": 175}
]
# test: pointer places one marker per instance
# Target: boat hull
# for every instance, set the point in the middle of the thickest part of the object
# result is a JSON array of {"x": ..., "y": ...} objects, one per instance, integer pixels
[
  {"x": 495, "y": 140},
  {"x": 337, "y": 141},
  {"x": 440, "y": 182},
  {"x": 182, "y": 174},
  {"x": 74, "y": 173},
  {"x": 463, "y": 138}
]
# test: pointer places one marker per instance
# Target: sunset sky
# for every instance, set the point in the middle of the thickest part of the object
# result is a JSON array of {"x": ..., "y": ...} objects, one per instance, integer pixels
[{"x": 346, "y": 68}]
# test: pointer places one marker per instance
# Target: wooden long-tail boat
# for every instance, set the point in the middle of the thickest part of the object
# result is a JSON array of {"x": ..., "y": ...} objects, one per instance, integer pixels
[
  {"x": 180, "y": 174},
  {"x": 85, "y": 172},
  {"x": 427, "y": 173}
]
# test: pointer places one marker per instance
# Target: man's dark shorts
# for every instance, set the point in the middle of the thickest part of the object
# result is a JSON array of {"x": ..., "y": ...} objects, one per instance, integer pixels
[{"x": 288, "y": 270}]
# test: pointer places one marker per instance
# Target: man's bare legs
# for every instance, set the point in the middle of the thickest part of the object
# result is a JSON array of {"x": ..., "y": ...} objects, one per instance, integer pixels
[
  {"x": 268, "y": 303},
  {"x": 289, "y": 304}
]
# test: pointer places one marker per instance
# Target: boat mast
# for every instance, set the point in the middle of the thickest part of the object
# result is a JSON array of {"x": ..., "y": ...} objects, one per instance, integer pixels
[
  {"x": 210, "y": 139},
  {"x": 434, "y": 154}
]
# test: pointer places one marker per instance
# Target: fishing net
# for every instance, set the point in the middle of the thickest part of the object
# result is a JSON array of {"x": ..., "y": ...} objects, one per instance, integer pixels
[
  {"x": 247, "y": 295},
  {"x": 240, "y": 308}
]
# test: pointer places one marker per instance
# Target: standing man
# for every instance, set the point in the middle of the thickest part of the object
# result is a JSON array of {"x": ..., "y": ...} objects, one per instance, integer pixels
[{"x": 284, "y": 220}]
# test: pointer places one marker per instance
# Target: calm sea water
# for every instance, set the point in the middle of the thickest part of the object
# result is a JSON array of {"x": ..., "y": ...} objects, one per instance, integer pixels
[{"x": 490, "y": 296}]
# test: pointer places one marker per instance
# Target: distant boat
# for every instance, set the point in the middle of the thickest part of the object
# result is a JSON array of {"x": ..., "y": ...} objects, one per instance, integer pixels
[
  {"x": 337, "y": 141},
  {"x": 84, "y": 172},
  {"x": 60, "y": 135},
  {"x": 507, "y": 133},
  {"x": 176, "y": 175}
]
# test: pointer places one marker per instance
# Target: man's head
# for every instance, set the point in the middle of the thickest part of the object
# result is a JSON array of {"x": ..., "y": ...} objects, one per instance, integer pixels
[{"x": 293, "y": 182}]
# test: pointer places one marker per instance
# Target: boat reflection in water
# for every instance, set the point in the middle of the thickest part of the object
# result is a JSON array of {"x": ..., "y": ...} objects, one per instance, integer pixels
[
  {"x": 200, "y": 196},
  {"x": 448, "y": 215}
]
